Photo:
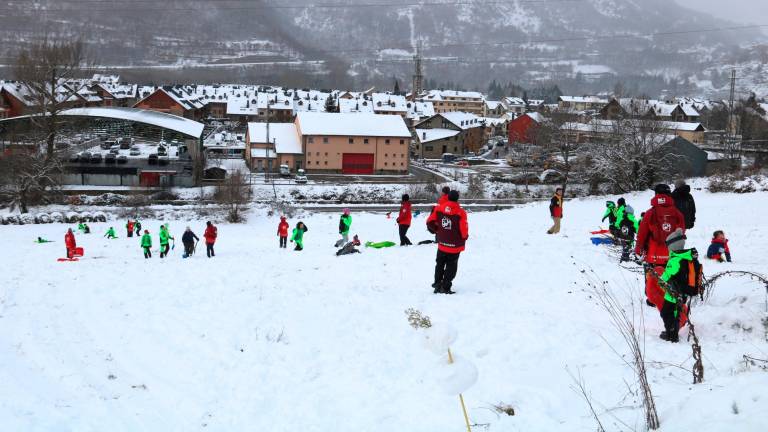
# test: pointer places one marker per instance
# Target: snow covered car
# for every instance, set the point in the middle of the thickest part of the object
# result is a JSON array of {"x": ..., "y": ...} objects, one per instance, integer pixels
[
  {"x": 301, "y": 177},
  {"x": 285, "y": 170},
  {"x": 135, "y": 151}
]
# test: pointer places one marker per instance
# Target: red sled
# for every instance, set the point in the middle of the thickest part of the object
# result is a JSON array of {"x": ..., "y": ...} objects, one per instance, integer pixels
[
  {"x": 600, "y": 232},
  {"x": 77, "y": 252},
  {"x": 67, "y": 259}
]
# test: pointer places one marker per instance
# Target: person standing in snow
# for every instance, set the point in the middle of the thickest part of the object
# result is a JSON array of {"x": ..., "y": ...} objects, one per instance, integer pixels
[
  {"x": 556, "y": 211},
  {"x": 164, "y": 244},
  {"x": 188, "y": 239},
  {"x": 70, "y": 243},
  {"x": 404, "y": 220},
  {"x": 610, "y": 214},
  {"x": 137, "y": 227},
  {"x": 661, "y": 220},
  {"x": 282, "y": 232},
  {"x": 211, "y": 234},
  {"x": 298, "y": 236},
  {"x": 146, "y": 244},
  {"x": 685, "y": 203},
  {"x": 111, "y": 233},
  {"x": 129, "y": 227},
  {"x": 625, "y": 227},
  {"x": 449, "y": 222},
  {"x": 682, "y": 278},
  {"x": 345, "y": 223}
]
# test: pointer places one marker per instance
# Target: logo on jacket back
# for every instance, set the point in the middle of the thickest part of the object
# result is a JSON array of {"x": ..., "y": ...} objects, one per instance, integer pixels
[
  {"x": 446, "y": 223},
  {"x": 662, "y": 200},
  {"x": 666, "y": 227}
]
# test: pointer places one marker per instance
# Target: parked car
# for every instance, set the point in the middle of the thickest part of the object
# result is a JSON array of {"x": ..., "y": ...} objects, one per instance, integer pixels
[
  {"x": 85, "y": 156},
  {"x": 122, "y": 159},
  {"x": 135, "y": 151},
  {"x": 301, "y": 177},
  {"x": 162, "y": 151},
  {"x": 152, "y": 159},
  {"x": 163, "y": 160},
  {"x": 96, "y": 158},
  {"x": 115, "y": 149},
  {"x": 110, "y": 158},
  {"x": 108, "y": 143},
  {"x": 126, "y": 143},
  {"x": 285, "y": 170}
]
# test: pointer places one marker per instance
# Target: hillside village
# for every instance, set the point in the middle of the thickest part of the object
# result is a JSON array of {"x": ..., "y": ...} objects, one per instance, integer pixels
[{"x": 128, "y": 136}]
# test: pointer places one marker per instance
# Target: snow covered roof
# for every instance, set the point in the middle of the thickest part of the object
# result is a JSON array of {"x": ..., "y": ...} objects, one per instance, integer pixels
[
  {"x": 167, "y": 121},
  {"x": 383, "y": 102},
  {"x": 419, "y": 110},
  {"x": 584, "y": 99},
  {"x": 352, "y": 124},
  {"x": 230, "y": 165},
  {"x": 356, "y": 105},
  {"x": 464, "y": 120},
  {"x": 429, "y": 135},
  {"x": 263, "y": 153},
  {"x": 682, "y": 126},
  {"x": 511, "y": 101},
  {"x": 492, "y": 105},
  {"x": 536, "y": 116},
  {"x": 439, "y": 95},
  {"x": 285, "y": 136}
]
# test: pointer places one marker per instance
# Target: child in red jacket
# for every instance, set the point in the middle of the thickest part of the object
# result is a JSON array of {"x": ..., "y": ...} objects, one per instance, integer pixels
[
  {"x": 282, "y": 232},
  {"x": 718, "y": 249}
]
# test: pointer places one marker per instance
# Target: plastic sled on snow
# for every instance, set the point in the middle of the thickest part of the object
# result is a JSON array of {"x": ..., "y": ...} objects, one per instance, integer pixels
[
  {"x": 600, "y": 232},
  {"x": 597, "y": 241}
]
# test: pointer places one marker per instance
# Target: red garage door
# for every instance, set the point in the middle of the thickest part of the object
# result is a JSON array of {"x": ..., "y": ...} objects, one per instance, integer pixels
[{"x": 357, "y": 163}]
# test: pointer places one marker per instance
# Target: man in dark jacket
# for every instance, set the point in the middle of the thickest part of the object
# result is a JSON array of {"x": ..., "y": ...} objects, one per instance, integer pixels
[
  {"x": 685, "y": 203},
  {"x": 188, "y": 239},
  {"x": 449, "y": 222}
]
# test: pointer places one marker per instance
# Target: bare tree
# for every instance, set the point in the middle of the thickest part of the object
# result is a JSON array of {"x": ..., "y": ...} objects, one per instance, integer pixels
[
  {"x": 49, "y": 71},
  {"x": 234, "y": 193},
  {"x": 27, "y": 180},
  {"x": 558, "y": 138},
  {"x": 630, "y": 158}
]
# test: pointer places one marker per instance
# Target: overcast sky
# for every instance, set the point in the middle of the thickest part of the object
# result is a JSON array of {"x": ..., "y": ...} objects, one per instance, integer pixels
[{"x": 742, "y": 11}]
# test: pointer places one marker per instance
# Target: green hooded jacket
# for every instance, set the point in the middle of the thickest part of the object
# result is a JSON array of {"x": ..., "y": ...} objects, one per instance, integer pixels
[
  {"x": 673, "y": 267},
  {"x": 146, "y": 241},
  {"x": 110, "y": 233},
  {"x": 298, "y": 236},
  {"x": 164, "y": 236},
  {"x": 346, "y": 223},
  {"x": 621, "y": 214}
]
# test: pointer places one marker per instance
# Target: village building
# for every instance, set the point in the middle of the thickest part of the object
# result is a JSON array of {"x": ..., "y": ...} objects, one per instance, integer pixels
[{"x": 457, "y": 133}]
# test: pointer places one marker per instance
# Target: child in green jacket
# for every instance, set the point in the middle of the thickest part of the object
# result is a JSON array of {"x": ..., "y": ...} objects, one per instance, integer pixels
[
  {"x": 681, "y": 279},
  {"x": 146, "y": 244},
  {"x": 110, "y": 233},
  {"x": 298, "y": 235}
]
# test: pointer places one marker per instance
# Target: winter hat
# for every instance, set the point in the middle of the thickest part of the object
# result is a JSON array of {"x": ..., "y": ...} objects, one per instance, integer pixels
[
  {"x": 621, "y": 202},
  {"x": 680, "y": 183},
  {"x": 676, "y": 240},
  {"x": 610, "y": 204},
  {"x": 282, "y": 218},
  {"x": 446, "y": 189},
  {"x": 453, "y": 196},
  {"x": 146, "y": 231},
  {"x": 406, "y": 197},
  {"x": 346, "y": 211},
  {"x": 662, "y": 189}
]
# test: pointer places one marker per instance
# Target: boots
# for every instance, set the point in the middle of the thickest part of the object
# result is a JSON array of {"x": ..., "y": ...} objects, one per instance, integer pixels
[{"x": 442, "y": 289}]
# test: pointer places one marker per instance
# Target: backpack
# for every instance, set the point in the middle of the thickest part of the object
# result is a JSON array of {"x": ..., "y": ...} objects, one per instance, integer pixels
[
  {"x": 689, "y": 279},
  {"x": 663, "y": 223}
]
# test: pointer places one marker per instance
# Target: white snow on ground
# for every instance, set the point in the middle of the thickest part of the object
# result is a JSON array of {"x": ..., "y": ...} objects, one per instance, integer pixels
[{"x": 266, "y": 339}]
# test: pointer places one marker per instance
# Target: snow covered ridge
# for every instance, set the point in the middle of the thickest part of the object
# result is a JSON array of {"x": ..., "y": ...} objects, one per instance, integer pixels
[{"x": 310, "y": 341}]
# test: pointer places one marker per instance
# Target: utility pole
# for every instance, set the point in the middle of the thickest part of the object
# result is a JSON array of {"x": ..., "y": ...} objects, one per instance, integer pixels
[
  {"x": 731, "y": 127},
  {"x": 266, "y": 152},
  {"x": 418, "y": 75}
]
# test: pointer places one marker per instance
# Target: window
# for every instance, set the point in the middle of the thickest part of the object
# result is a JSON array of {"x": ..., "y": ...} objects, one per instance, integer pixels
[
  {"x": 386, "y": 155},
  {"x": 310, "y": 140},
  {"x": 317, "y": 153},
  {"x": 351, "y": 140},
  {"x": 326, "y": 153},
  {"x": 365, "y": 141},
  {"x": 428, "y": 148},
  {"x": 386, "y": 141},
  {"x": 402, "y": 164},
  {"x": 326, "y": 162},
  {"x": 325, "y": 140},
  {"x": 402, "y": 142},
  {"x": 385, "y": 164}
]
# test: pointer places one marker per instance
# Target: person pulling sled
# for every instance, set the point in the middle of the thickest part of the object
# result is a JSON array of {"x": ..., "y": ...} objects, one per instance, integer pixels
[{"x": 189, "y": 240}]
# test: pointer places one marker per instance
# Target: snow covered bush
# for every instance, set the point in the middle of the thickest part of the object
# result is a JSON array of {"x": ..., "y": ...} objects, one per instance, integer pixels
[
  {"x": 234, "y": 193},
  {"x": 475, "y": 187},
  {"x": 721, "y": 183},
  {"x": 42, "y": 218}
]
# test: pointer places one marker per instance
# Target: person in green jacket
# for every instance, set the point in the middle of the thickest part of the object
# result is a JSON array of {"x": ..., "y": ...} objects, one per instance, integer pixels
[
  {"x": 298, "y": 235},
  {"x": 111, "y": 233},
  {"x": 625, "y": 215},
  {"x": 681, "y": 278},
  {"x": 146, "y": 244},
  {"x": 164, "y": 237},
  {"x": 345, "y": 222},
  {"x": 83, "y": 228}
]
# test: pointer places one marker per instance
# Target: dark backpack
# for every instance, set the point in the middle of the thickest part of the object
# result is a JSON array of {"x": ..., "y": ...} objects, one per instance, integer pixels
[{"x": 688, "y": 280}]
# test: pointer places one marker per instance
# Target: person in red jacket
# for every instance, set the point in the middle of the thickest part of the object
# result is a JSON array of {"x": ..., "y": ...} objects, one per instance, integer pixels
[
  {"x": 449, "y": 222},
  {"x": 70, "y": 243},
  {"x": 210, "y": 238},
  {"x": 444, "y": 197},
  {"x": 556, "y": 211},
  {"x": 404, "y": 220},
  {"x": 282, "y": 232},
  {"x": 658, "y": 223}
]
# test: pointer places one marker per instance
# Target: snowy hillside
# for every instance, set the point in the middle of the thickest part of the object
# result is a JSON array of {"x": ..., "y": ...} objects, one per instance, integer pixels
[{"x": 266, "y": 339}]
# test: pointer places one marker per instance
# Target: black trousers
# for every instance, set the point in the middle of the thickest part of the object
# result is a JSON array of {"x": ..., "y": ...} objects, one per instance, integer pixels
[
  {"x": 445, "y": 269},
  {"x": 147, "y": 253},
  {"x": 283, "y": 242},
  {"x": 189, "y": 248},
  {"x": 671, "y": 318},
  {"x": 130, "y": 233},
  {"x": 209, "y": 250},
  {"x": 164, "y": 250},
  {"x": 404, "y": 241}
]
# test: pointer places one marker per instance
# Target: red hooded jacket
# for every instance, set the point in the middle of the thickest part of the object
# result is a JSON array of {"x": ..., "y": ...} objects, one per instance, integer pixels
[
  {"x": 69, "y": 240},
  {"x": 404, "y": 218},
  {"x": 449, "y": 222},
  {"x": 210, "y": 234},
  {"x": 282, "y": 229},
  {"x": 659, "y": 222}
]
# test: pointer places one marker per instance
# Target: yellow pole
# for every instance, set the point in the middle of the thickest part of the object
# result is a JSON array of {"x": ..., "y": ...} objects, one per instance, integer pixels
[{"x": 461, "y": 398}]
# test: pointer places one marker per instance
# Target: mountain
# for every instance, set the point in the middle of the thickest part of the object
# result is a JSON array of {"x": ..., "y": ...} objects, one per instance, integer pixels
[{"x": 582, "y": 45}]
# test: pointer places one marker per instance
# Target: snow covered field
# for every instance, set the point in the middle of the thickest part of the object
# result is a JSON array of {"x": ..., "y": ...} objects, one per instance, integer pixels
[{"x": 266, "y": 339}]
